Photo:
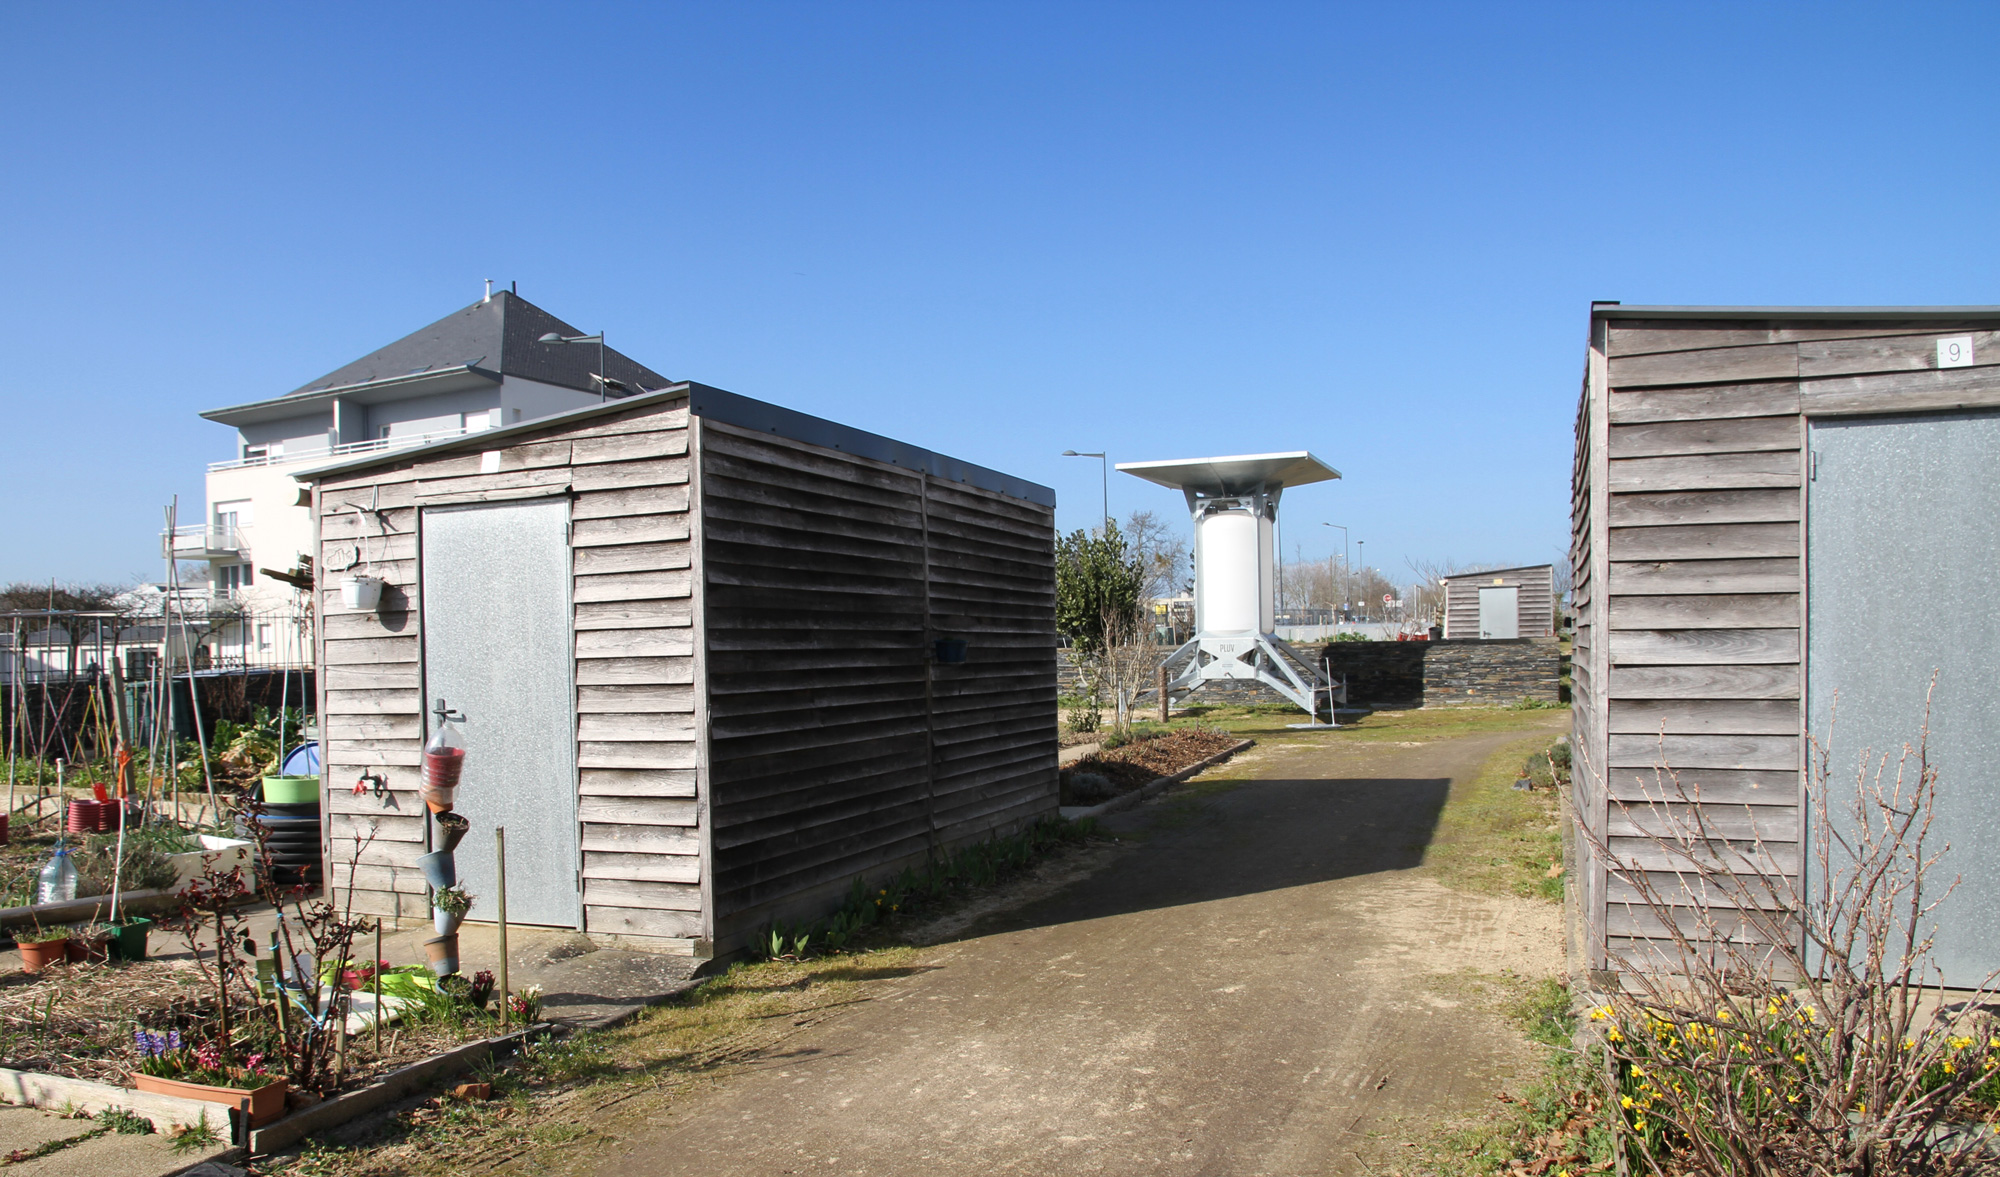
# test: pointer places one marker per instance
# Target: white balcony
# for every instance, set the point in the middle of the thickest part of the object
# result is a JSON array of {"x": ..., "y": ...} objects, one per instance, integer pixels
[
  {"x": 324, "y": 453},
  {"x": 203, "y": 541}
]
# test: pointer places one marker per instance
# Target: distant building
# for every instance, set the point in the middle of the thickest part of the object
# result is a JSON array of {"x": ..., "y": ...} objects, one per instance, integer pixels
[
  {"x": 482, "y": 367},
  {"x": 1501, "y": 603}
]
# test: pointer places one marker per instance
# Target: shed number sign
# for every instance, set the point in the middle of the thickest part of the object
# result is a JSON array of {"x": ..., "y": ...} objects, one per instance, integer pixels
[{"x": 1955, "y": 351}]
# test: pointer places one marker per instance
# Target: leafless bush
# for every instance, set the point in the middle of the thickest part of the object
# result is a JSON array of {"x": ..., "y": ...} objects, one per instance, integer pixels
[{"x": 1781, "y": 1029}]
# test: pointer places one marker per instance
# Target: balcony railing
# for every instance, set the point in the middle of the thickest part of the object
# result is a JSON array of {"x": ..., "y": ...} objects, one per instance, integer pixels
[
  {"x": 325, "y": 452},
  {"x": 201, "y": 541}
]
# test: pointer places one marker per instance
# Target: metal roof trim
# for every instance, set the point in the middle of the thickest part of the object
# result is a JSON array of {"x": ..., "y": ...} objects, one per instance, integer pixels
[
  {"x": 732, "y": 409},
  {"x": 1621, "y": 311},
  {"x": 293, "y": 403}
]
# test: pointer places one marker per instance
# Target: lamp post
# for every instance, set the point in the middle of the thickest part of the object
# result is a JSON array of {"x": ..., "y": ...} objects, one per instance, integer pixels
[
  {"x": 1104, "y": 475},
  {"x": 1361, "y": 557},
  {"x": 603, "y": 373},
  {"x": 1344, "y": 580}
]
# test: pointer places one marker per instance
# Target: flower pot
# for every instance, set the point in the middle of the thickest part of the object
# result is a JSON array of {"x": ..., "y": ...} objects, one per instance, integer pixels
[
  {"x": 36, "y": 957},
  {"x": 442, "y": 954},
  {"x": 446, "y": 922},
  {"x": 291, "y": 790},
  {"x": 452, "y": 829},
  {"x": 259, "y": 1105},
  {"x": 130, "y": 942},
  {"x": 437, "y": 800},
  {"x": 81, "y": 950},
  {"x": 440, "y": 869},
  {"x": 361, "y": 592}
]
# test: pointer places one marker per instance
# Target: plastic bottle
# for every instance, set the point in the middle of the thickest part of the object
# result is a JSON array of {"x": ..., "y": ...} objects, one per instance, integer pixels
[
  {"x": 444, "y": 756},
  {"x": 57, "y": 883}
]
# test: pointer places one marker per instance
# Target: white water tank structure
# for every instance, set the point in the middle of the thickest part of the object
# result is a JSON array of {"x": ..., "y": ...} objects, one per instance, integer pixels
[{"x": 1234, "y": 505}]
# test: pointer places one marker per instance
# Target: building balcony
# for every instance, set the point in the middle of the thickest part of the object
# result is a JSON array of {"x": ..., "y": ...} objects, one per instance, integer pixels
[
  {"x": 325, "y": 453},
  {"x": 202, "y": 541}
]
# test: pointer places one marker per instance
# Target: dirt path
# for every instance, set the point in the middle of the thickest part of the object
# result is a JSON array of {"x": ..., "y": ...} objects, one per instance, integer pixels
[{"x": 1259, "y": 984}]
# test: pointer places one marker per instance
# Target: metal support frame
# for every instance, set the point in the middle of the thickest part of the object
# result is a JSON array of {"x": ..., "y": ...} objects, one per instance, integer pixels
[{"x": 1264, "y": 658}]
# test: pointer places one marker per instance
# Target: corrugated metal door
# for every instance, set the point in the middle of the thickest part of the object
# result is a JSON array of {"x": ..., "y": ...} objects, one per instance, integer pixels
[
  {"x": 1903, "y": 550},
  {"x": 1500, "y": 612},
  {"x": 496, "y": 609}
]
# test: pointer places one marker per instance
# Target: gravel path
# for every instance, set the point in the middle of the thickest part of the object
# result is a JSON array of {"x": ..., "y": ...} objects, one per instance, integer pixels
[{"x": 1257, "y": 984}]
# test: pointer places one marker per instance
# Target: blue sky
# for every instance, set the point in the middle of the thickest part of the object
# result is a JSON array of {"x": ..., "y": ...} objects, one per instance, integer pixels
[{"x": 996, "y": 230}]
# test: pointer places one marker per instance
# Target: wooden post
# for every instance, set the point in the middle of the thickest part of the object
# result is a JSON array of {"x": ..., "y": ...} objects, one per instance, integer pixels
[
  {"x": 500, "y": 901},
  {"x": 1160, "y": 685},
  {"x": 375, "y": 968}
]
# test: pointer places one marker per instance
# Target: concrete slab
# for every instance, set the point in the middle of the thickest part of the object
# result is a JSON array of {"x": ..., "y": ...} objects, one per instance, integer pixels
[
  {"x": 31, "y": 1128},
  {"x": 113, "y": 1155}
]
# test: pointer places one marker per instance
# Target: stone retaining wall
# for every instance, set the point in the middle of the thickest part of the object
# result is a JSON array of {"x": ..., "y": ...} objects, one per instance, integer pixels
[{"x": 1464, "y": 673}]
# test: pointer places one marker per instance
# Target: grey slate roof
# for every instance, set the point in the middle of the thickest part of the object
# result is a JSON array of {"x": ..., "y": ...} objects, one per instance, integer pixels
[{"x": 497, "y": 335}]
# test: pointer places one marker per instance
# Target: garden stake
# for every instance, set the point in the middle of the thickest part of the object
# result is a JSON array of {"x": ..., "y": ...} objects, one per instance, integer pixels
[
  {"x": 377, "y": 970},
  {"x": 278, "y": 983},
  {"x": 500, "y": 852}
]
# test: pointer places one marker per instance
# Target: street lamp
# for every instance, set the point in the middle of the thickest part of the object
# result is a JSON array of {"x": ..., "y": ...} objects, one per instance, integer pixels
[
  {"x": 1104, "y": 474},
  {"x": 603, "y": 374},
  {"x": 1361, "y": 559},
  {"x": 1346, "y": 582}
]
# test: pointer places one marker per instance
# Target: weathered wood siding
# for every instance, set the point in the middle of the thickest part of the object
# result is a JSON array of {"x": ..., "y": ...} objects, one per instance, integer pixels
[
  {"x": 1535, "y": 600},
  {"x": 836, "y": 745},
  {"x": 1698, "y": 599},
  {"x": 626, "y": 477}
]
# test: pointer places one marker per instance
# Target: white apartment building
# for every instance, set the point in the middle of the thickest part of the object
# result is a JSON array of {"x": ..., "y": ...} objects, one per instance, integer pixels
[{"x": 487, "y": 365}]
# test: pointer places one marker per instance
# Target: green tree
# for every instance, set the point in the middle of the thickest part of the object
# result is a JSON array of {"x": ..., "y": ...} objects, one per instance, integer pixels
[{"x": 1098, "y": 579}]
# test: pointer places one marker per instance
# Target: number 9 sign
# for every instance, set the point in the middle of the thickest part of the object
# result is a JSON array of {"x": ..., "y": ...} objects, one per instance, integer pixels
[{"x": 1955, "y": 351}]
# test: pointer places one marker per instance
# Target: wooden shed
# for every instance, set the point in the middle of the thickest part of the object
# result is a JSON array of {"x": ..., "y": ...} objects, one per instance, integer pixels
[
  {"x": 1773, "y": 505},
  {"x": 1501, "y": 603},
  {"x": 716, "y": 659}
]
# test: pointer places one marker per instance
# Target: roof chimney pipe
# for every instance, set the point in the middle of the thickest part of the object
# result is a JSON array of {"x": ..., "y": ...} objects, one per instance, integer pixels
[{"x": 489, "y": 291}]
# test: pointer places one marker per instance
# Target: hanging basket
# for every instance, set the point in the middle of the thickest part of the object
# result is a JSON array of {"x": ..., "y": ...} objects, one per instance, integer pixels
[{"x": 361, "y": 592}]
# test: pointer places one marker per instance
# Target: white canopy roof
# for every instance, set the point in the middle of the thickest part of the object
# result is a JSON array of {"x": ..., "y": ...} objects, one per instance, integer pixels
[{"x": 1240, "y": 474}]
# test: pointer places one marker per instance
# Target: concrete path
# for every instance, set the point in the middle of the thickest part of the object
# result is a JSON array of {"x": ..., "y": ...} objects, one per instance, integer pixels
[
  {"x": 85, "y": 1152},
  {"x": 1258, "y": 986}
]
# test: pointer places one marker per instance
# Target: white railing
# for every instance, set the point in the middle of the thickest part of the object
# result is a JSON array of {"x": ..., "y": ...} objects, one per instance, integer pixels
[
  {"x": 317, "y": 453},
  {"x": 202, "y": 537}
]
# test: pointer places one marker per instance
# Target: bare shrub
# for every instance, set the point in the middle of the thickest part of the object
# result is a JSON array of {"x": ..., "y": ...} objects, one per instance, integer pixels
[{"x": 1781, "y": 1029}]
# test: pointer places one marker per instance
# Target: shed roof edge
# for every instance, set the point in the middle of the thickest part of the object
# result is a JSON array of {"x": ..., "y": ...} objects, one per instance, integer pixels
[{"x": 733, "y": 409}]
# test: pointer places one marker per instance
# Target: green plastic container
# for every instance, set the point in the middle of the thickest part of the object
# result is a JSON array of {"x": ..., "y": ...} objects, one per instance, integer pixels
[
  {"x": 130, "y": 942},
  {"x": 291, "y": 790}
]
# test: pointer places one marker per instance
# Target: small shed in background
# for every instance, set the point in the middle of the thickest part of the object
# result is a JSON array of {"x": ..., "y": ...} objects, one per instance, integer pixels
[
  {"x": 1768, "y": 504},
  {"x": 716, "y": 659},
  {"x": 1501, "y": 603}
]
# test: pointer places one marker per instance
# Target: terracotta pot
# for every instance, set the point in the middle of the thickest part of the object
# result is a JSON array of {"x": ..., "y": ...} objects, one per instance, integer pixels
[
  {"x": 36, "y": 957},
  {"x": 439, "y": 800},
  {"x": 260, "y": 1106},
  {"x": 441, "y": 954},
  {"x": 83, "y": 950}
]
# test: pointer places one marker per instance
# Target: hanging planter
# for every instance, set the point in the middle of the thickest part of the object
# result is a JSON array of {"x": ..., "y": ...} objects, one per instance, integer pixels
[
  {"x": 442, "y": 954},
  {"x": 452, "y": 828},
  {"x": 440, "y": 870},
  {"x": 448, "y": 908},
  {"x": 291, "y": 790},
  {"x": 361, "y": 592},
  {"x": 437, "y": 800}
]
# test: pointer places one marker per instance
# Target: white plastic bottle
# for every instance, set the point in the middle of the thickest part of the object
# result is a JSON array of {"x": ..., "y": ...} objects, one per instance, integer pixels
[{"x": 57, "y": 883}]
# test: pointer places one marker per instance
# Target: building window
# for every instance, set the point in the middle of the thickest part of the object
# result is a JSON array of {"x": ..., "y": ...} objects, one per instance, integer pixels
[
  {"x": 232, "y": 578},
  {"x": 263, "y": 638}
]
